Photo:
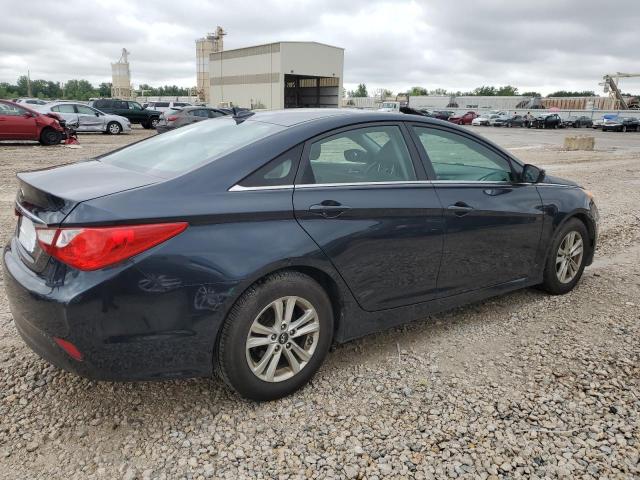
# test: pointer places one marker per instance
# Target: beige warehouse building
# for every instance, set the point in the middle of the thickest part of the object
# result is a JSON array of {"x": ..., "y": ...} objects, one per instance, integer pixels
[{"x": 277, "y": 75}]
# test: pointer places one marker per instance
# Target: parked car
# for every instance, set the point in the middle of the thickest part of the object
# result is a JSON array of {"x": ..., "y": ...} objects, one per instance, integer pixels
[
  {"x": 442, "y": 114},
  {"x": 484, "y": 119},
  {"x": 597, "y": 124},
  {"x": 547, "y": 120},
  {"x": 621, "y": 124},
  {"x": 508, "y": 121},
  {"x": 31, "y": 101},
  {"x": 499, "y": 119},
  {"x": 89, "y": 119},
  {"x": 577, "y": 121},
  {"x": 19, "y": 122},
  {"x": 164, "y": 106},
  {"x": 389, "y": 107},
  {"x": 241, "y": 244},
  {"x": 179, "y": 117},
  {"x": 128, "y": 109},
  {"x": 463, "y": 118}
]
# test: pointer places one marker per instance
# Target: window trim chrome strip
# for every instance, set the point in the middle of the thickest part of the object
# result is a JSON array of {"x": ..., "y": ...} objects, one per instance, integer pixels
[{"x": 240, "y": 188}]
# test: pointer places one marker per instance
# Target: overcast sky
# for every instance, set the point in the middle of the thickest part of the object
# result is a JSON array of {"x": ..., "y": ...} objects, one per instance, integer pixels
[{"x": 458, "y": 45}]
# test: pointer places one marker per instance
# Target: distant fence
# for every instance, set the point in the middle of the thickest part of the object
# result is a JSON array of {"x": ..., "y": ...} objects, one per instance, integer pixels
[{"x": 189, "y": 99}]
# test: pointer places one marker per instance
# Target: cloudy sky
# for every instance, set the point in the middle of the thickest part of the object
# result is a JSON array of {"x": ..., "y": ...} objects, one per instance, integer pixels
[{"x": 454, "y": 44}]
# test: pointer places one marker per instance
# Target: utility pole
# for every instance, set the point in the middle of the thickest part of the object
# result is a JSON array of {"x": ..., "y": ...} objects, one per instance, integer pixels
[{"x": 29, "y": 94}]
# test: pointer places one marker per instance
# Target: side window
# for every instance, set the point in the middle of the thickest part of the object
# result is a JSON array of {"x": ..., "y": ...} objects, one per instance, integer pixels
[
  {"x": 121, "y": 105},
  {"x": 214, "y": 114},
  {"x": 362, "y": 155},
  {"x": 200, "y": 113},
  {"x": 134, "y": 106},
  {"x": 279, "y": 171},
  {"x": 85, "y": 110},
  {"x": 64, "y": 108},
  {"x": 11, "y": 110},
  {"x": 459, "y": 158}
]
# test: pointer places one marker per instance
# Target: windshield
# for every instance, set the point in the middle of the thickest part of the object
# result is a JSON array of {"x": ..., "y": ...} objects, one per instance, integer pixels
[
  {"x": 388, "y": 105},
  {"x": 183, "y": 149}
]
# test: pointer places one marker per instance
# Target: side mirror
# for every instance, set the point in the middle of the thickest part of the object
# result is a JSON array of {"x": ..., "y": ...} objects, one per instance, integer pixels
[
  {"x": 532, "y": 174},
  {"x": 355, "y": 155}
]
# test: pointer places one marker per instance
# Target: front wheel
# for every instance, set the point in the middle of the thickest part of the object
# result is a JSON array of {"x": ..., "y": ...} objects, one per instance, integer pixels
[
  {"x": 566, "y": 259},
  {"x": 114, "y": 128},
  {"x": 275, "y": 337},
  {"x": 49, "y": 136}
]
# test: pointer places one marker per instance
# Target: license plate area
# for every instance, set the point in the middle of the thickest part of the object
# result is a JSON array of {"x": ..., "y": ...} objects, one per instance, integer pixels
[{"x": 27, "y": 235}]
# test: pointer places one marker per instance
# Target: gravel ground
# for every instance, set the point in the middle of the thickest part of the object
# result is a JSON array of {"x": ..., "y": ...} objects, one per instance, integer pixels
[{"x": 520, "y": 386}]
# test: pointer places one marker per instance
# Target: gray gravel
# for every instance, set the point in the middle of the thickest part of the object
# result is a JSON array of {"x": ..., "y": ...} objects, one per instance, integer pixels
[{"x": 520, "y": 386}]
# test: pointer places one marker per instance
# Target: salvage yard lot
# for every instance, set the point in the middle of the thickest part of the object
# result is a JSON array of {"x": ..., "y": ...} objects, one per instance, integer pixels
[{"x": 520, "y": 386}]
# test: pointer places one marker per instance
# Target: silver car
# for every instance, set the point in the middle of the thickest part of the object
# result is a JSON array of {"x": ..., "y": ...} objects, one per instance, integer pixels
[{"x": 89, "y": 119}]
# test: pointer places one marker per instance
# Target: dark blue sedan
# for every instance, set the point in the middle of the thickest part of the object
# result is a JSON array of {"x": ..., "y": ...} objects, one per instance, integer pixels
[{"x": 248, "y": 244}]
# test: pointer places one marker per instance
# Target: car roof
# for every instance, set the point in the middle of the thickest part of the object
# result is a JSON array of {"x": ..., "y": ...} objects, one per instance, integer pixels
[
  {"x": 25, "y": 106},
  {"x": 296, "y": 116}
]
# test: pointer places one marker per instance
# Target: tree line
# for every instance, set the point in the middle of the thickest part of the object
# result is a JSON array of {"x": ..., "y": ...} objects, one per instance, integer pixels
[
  {"x": 483, "y": 91},
  {"x": 77, "y": 89}
]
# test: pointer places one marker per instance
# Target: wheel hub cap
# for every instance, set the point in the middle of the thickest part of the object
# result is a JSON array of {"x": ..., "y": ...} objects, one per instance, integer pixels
[
  {"x": 282, "y": 339},
  {"x": 569, "y": 257}
]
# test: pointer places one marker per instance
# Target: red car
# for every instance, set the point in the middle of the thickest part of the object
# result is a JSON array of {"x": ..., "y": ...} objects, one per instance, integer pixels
[
  {"x": 463, "y": 119},
  {"x": 18, "y": 122}
]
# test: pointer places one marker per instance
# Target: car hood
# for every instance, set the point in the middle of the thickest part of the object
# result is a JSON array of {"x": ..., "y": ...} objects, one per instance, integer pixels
[{"x": 559, "y": 181}]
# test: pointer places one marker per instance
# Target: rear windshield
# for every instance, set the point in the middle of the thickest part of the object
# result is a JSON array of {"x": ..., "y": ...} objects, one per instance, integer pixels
[{"x": 183, "y": 149}]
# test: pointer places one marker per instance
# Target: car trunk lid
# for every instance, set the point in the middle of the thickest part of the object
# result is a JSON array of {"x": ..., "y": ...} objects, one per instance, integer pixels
[{"x": 46, "y": 197}]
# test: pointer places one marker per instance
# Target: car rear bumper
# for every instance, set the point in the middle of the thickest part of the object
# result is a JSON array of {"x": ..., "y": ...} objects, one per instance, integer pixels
[
  {"x": 164, "y": 128},
  {"x": 122, "y": 334}
]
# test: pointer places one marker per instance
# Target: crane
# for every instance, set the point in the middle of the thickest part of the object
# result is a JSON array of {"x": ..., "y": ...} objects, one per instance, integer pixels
[{"x": 611, "y": 86}]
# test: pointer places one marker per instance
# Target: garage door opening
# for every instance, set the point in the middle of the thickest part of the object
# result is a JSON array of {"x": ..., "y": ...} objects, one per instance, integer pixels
[{"x": 302, "y": 91}]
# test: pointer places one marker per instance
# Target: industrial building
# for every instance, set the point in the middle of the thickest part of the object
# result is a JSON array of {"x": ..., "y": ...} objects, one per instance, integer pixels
[
  {"x": 277, "y": 75},
  {"x": 211, "y": 43},
  {"x": 121, "y": 77}
]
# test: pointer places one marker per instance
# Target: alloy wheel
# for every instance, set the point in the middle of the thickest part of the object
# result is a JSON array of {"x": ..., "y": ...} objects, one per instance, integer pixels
[
  {"x": 114, "y": 129},
  {"x": 282, "y": 339},
  {"x": 569, "y": 257}
]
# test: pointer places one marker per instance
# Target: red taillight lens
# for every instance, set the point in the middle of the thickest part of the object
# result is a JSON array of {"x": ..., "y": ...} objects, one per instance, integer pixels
[
  {"x": 98, "y": 247},
  {"x": 70, "y": 348},
  {"x": 172, "y": 118}
]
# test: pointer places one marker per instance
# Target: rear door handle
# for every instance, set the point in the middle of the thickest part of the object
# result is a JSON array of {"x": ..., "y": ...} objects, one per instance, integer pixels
[
  {"x": 460, "y": 209},
  {"x": 329, "y": 209}
]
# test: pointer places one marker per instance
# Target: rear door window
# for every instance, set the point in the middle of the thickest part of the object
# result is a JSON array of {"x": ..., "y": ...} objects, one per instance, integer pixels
[
  {"x": 278, "y": 172},
  {"x": 64, "y": 108}
]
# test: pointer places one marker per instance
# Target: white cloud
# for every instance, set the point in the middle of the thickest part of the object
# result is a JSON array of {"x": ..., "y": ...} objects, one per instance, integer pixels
[{"x": 459, "y": 45}]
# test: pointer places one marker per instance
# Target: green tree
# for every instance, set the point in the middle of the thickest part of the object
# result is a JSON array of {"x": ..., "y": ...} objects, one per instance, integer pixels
[
  {"x": 104, "y": 89},
  {"x": 507, "y": 91},
  {"x": 361, "y": 91},
  {"x": 79, "y": 90},
  {"x": 565, "y": 93},
  {"x": 531, "y": 94},
  {"x": 386, "y": 93},
  {"x": 438, "y": 91},
  {"x": 485, "y": 91},
  {"x": 418, "y": 91}
]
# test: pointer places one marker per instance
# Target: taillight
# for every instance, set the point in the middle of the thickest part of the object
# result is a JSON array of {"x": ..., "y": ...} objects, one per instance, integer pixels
[
  {"x": 70, "y": 348},
  {"x": 92, "y": 248},
  {"x": 172, "y": 118}
]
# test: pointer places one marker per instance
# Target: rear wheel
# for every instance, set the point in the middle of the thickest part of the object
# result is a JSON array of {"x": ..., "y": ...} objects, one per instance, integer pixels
[
  {"x": 49, "y": 136},
  {"x": 624, "y": 128},
  {"x": 154, "y": 122},
  {"x": 114, "y": 128},
  {"x": 566, "y": 259},
  {"x": 275, "y": 337}
]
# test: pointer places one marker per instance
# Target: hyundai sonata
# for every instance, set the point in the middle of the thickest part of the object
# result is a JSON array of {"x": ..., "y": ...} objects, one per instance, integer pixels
[{"x": 248, "y": 244}]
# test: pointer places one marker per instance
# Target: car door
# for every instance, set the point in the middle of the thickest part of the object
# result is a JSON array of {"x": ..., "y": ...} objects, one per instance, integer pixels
[
  {"x": 361, "y": 195},
  {"x": 16, "y": 123},
  {"x": 493, "y": 222},
  {"x": 137, "y": 113},
  {"x": 90, "y": 120},
  {"x": 67, "y": 111}
]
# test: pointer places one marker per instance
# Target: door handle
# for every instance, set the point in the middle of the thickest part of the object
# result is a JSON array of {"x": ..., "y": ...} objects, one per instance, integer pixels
[
  {"x": 460, "y": 209},
  {"x": 329, "y": 209}
]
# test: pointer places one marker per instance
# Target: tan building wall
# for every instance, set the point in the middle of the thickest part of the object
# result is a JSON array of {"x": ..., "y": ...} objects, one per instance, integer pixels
[{"x": 253, "y": 77}]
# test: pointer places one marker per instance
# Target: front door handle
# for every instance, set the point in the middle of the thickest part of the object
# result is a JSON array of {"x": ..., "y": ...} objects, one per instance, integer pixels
[
  {"x": 460, "y": 209},
  {"x": 329, "y": 209}
]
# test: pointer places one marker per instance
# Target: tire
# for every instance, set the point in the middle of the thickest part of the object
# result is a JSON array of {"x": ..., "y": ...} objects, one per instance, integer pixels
[
  {"x": 146, "y": 125},
  {"x": 114, "y": 128},
  {"x": 233, "y": 356},
  {"x": 153, "y": 123},
  {"x": 624, "y": 128},
  {"x": 49, "y": 136},
  {"x": 552, "y": 282}
]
